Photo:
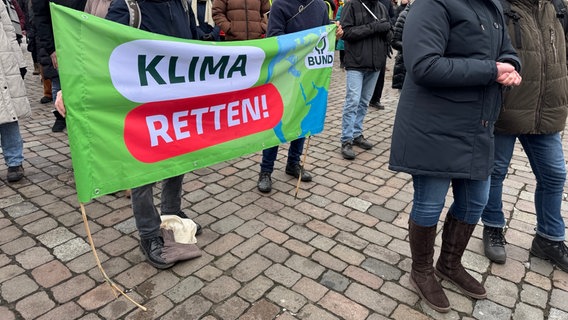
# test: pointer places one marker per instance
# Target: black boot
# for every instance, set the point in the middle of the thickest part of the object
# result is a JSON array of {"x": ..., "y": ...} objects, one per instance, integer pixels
[
  {"x": 555, "y": 251},
  {"x": 59, "y": 124},
  {"x": 264, "y": 184},
  {"x": 422, "y": 276},
  {"x": 455, "y": 237},
  {"x": 494, "y": 244},
  {"x": 152, "y": 249}
]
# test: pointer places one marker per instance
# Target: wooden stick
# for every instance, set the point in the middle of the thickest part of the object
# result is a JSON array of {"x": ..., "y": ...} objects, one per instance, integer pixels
[
  {"x": 113, "y": 286},
  {"x": 302, "y": 168}
]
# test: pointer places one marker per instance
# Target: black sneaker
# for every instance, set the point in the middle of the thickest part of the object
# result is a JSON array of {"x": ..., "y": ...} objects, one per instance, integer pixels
[
  {"x": 152, "y": 249},
  {"x": 15, "y": 173},
  {"x": 295, "y": 170},
  {"x": 377, "y": 105},
  {"x": 555, "y": 251},
  {"x": 362, "y": 143},
  {"x": 347, "y": 150},
  {"x": 182, "y": 215},
  {"x": 59, "y": 126},
  {"x": 264, "y": 184},
  {"x": 494, "y": 244}
]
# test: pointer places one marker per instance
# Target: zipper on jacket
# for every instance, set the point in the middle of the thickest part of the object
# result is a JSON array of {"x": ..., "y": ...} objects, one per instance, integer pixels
[
  {"x": 541, "y": 40},
  {"x": 247, "y": 19},
  {"x": 553, "y": 43}
]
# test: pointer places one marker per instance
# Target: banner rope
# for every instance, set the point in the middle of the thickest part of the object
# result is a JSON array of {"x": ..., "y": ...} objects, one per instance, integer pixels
[
  {"x": 113, "y": 286},
  {"x": 302, "y": 168}
]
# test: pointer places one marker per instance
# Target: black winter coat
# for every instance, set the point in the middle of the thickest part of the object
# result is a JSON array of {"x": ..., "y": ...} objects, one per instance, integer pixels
[
  {"x": 44, "y": 31},
  {"x": 167, "y": 17},
  {"x": 399, "y": 70},
  {"x": 366, "y": 43},
  {"x": 450, "y": 100}
]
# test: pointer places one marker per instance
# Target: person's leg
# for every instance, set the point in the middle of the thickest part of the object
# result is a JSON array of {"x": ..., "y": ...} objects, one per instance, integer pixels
[
  {"x": 12, "y": 144},
  {"x": 13, "y": 150},
  {"x": 148, "y": 223},
  {"x": 366, "y": 91},
  {"x": 293, "y": 166},
  {"x": 470, "y": 197},
  {"x": 145, "y": 213},
  {"x": 264, "y": 183},
  {"x": 429, "y": 198},
  {"x": 378, "y": 90},
  {"x": 354, "y": 85},
  {"x": 47, "y": 95},
  {"x": 546, "y": 157},
  {"x": 492, "y": 217},
  {"x": 171, "y": 195}
]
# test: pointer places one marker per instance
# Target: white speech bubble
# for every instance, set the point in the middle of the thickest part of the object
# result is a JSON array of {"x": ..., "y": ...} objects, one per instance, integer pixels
[{"x": 157, "y": 70}]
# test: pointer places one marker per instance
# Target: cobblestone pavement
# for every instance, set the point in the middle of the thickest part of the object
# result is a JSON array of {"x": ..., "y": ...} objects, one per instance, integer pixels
[{"x": 340, "y": 251}]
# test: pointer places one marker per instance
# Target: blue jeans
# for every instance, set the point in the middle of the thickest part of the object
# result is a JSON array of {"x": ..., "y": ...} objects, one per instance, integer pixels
[
  {"x": 360, "y": 87},
  {"x": 145, "y": 214},
  {"x": 546, "y": 157},
  {"x": 12, "y": 143},
  {"x": 294, "y": 152},
  {"x": 470, "y": 197}
]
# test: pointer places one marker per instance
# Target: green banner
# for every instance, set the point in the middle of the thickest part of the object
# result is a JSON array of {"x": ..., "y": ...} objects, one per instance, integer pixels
[{"x": 142, "y": 107}]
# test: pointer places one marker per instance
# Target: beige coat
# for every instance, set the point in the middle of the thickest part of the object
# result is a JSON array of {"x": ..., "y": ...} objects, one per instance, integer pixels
[
  {"x": 14, "y": 104},
  {"x": 98, "y": 8}
]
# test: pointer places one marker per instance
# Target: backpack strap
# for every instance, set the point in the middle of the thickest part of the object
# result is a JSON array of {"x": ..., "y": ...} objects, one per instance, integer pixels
[
  {"x": 509, "y": 13},
  {"x": 135, "y": 15},
  {"x": 561, "y": 13}
]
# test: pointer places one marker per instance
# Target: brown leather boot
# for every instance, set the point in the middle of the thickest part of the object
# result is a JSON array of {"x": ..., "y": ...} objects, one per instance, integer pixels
[
  {"x": 455, "y": 237},
  {"x": 422, "y": 276}
]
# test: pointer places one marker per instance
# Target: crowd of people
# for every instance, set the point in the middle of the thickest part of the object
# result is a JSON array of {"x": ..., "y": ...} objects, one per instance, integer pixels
[{"x": 468, "y": 91}]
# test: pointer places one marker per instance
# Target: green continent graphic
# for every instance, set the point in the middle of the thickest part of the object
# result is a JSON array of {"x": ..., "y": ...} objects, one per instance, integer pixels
[{"x": 312, "y": 108}]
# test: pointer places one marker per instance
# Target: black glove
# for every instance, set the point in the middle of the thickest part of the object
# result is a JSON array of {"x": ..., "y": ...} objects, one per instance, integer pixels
[
  {"x": 381, "y": 26},
  {"x": 23, "y": 72}
]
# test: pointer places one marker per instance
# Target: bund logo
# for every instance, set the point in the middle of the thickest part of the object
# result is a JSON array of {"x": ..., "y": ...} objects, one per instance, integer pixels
[{"x": 321, "y": 57}]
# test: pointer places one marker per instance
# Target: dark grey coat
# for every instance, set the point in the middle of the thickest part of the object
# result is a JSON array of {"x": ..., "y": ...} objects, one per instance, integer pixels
[{"x": 450, "y": 99}]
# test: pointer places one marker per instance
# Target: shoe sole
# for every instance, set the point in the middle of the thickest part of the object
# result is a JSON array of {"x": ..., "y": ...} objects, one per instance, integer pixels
[
  {"x": 347, "y": 157},
  {"x": 434, "y": 307},
  {"x": 15, "y": 179},
  {"x": 467, "y": 293}
]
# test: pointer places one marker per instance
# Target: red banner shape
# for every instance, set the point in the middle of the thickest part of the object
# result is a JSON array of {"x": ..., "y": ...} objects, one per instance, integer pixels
[{"x": 161, "y": 130}]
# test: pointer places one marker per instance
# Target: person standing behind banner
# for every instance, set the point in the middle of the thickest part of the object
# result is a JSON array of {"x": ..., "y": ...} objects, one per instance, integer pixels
[
  {"x": 288, "y": 17},
  {"x": 367, "y": 30},
  {"x": 241, "y": 19},
  {"x": 380, "y": 84},
  {"x": 533, "y": 114},
  {"x": 458, "y": 58},
  {"x": 399, "y": 70},
  {"x": 14, "y": 104},
  {"x": 46, "y": 44},
  {"x": 206, "y": 28},
  {"x": 147, "y": 218}
]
